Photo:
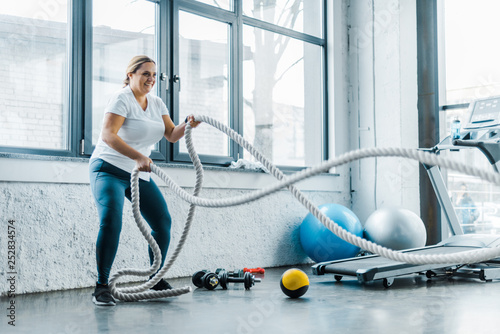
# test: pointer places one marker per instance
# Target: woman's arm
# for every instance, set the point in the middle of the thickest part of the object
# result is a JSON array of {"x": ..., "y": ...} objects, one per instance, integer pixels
[
  {"x": 174, "y": 133},
  {"x": 113, "y": 123}
]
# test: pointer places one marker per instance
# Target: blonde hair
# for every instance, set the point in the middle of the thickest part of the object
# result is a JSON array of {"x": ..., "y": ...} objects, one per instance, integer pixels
[{"x": 134, "y": 64}]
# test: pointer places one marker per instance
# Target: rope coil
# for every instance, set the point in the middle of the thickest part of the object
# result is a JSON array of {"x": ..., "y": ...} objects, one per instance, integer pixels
[{"x": 137, "y": 293}]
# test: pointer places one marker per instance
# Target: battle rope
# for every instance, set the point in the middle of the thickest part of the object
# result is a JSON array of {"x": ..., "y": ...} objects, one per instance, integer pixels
[
  {"x": 142, "y": 291},
  {"x": 136, "y": 293}
]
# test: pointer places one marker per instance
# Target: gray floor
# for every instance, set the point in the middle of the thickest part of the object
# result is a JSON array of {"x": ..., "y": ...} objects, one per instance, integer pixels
[{"x": 411, "y": 305}]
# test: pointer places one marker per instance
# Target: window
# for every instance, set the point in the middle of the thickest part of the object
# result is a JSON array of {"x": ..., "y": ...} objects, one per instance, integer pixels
[
  {"x": 204, "y": 68},
  {"x": 283, "y": 99},
  {"x": 256, "y": 66},
  {"x": 299, "y": 15},
  {"x": 259, "y": 70},
  {"x": 471, "y": 52},
  {"x": 281, "y": 102},
  {"x": 116, "y": 38},
  {"x": 34, "y": 108},
  {"x": 468, "y": 66}
]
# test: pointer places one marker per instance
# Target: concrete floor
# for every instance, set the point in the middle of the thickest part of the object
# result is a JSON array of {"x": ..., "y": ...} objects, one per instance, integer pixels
[{"x": 411, "y": 305}]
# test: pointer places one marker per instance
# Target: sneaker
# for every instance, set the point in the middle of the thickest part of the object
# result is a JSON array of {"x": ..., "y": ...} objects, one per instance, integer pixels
[
  {"x": 162, "y": 285},
  {"x": 102, "y": 296}
]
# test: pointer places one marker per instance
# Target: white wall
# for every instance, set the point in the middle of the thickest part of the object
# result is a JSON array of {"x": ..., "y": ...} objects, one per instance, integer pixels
[
  {"x": 382, "y": 93},
  {"x": 56, "y": 224},
  {"x": 373, "y": 91}
]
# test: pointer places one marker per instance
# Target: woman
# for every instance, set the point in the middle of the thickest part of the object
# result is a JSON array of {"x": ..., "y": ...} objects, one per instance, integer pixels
[{"x": 133, "y": 122}]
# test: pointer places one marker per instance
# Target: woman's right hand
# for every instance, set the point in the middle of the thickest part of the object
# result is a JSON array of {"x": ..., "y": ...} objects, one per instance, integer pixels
[{"x": 143, "y": 164}]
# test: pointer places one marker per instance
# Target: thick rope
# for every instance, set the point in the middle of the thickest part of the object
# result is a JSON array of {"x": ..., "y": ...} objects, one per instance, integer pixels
[
  {"x": 142, "y": 291},
  {"x": 465, "y": 257}
]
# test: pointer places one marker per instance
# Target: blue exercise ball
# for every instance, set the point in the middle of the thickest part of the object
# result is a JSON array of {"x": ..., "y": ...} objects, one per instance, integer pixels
[
  {"x": 321, "y": 244},
  {"x": 395, "y": 228}
]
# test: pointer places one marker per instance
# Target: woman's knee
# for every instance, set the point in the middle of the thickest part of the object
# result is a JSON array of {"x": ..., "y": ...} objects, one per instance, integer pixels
[
  {"x": 110, "y": 220},
  {"x": 162, "y": 226}
]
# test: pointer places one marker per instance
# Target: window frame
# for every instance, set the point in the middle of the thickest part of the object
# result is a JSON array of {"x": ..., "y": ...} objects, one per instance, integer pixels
[
  {"x": 306, "y": 38},
  {"x": 302, "y": 37},
  {"x": 237, "y": 21},
  {"x": 227, "y": 17},
  {"x": 79, "y": 73}
]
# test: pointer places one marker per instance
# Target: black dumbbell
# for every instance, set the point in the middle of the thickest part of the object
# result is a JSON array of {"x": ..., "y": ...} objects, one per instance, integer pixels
[
  {"x": 205, "y": 279},
  {"x": 236, "y": 273},
  {"x": 219, "y": 270},
  {"x": 247, "y": 279}
]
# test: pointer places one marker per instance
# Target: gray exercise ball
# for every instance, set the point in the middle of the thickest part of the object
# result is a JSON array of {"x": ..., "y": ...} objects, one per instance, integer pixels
[{"x": 395, "y": 228}]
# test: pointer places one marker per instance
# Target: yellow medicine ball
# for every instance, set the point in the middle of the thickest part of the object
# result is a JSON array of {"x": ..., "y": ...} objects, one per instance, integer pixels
[{"x": 294, "y": 283}]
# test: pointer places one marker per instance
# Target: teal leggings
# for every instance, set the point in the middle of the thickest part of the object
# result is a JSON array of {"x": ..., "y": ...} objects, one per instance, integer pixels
[{"x": 110, "y": 185}]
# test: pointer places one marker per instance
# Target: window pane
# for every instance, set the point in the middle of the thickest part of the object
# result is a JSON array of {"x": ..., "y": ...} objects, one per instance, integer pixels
[
  {"x": 34, "y": 94},
  {"x": 471, "y": 52},
  {"x": 129, "y": 32},
  {"x": 470, "y": 60},
  {"x": 223, "y": 4},
  {"x": 476, "y": 202},
  {"x": 300, "y": 15},
  {"x": 204, "y": 84},
  {"x": 283, "y": 107}
]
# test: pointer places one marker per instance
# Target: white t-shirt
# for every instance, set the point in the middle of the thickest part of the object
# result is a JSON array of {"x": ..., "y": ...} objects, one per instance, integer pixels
[{"x": 141, "y": 128}]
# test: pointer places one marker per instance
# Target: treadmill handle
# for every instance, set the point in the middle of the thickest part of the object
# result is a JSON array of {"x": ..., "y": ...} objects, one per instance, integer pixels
[{"x": 471, "y": 143}]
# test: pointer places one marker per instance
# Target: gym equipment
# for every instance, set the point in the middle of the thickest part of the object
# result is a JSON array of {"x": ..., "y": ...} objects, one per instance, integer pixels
[
  {"x": 248, "y": 280},
  {"x": 482, "y": 131},
  {"x": 205, "y": 279},
  {"x": 140, "y": 292},
  {"x": 395, "y": 228},
  {"x": 209, "y": 280},
  {"x": 241, "y": 272},
  {"x": 294, "y": 283},
  {"x": 258, "y": 270},
  {"x": 321, "y": 244}
]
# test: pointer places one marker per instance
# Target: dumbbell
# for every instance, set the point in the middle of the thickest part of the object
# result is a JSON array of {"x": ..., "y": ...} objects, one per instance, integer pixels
[
  {"x": 247, "y": 279},
  {"x": 236, "y": 273},
  {"x": 205, "y": 279},
  {"x": 241, "y": 272},
  {"x": 258, "y": 270}
]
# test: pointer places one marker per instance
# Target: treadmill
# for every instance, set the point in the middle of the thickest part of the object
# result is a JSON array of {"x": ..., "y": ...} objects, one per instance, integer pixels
[{"x": 481, "y": 131}]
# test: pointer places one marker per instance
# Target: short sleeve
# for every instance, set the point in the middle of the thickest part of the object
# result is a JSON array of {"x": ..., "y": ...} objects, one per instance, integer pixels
[
  {"x": 117, "y": 106},
  {"x": 163, "y": 108}
]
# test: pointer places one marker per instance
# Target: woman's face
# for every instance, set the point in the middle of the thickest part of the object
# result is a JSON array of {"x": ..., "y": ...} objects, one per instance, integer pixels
[{"x": 144, "y": 78}]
